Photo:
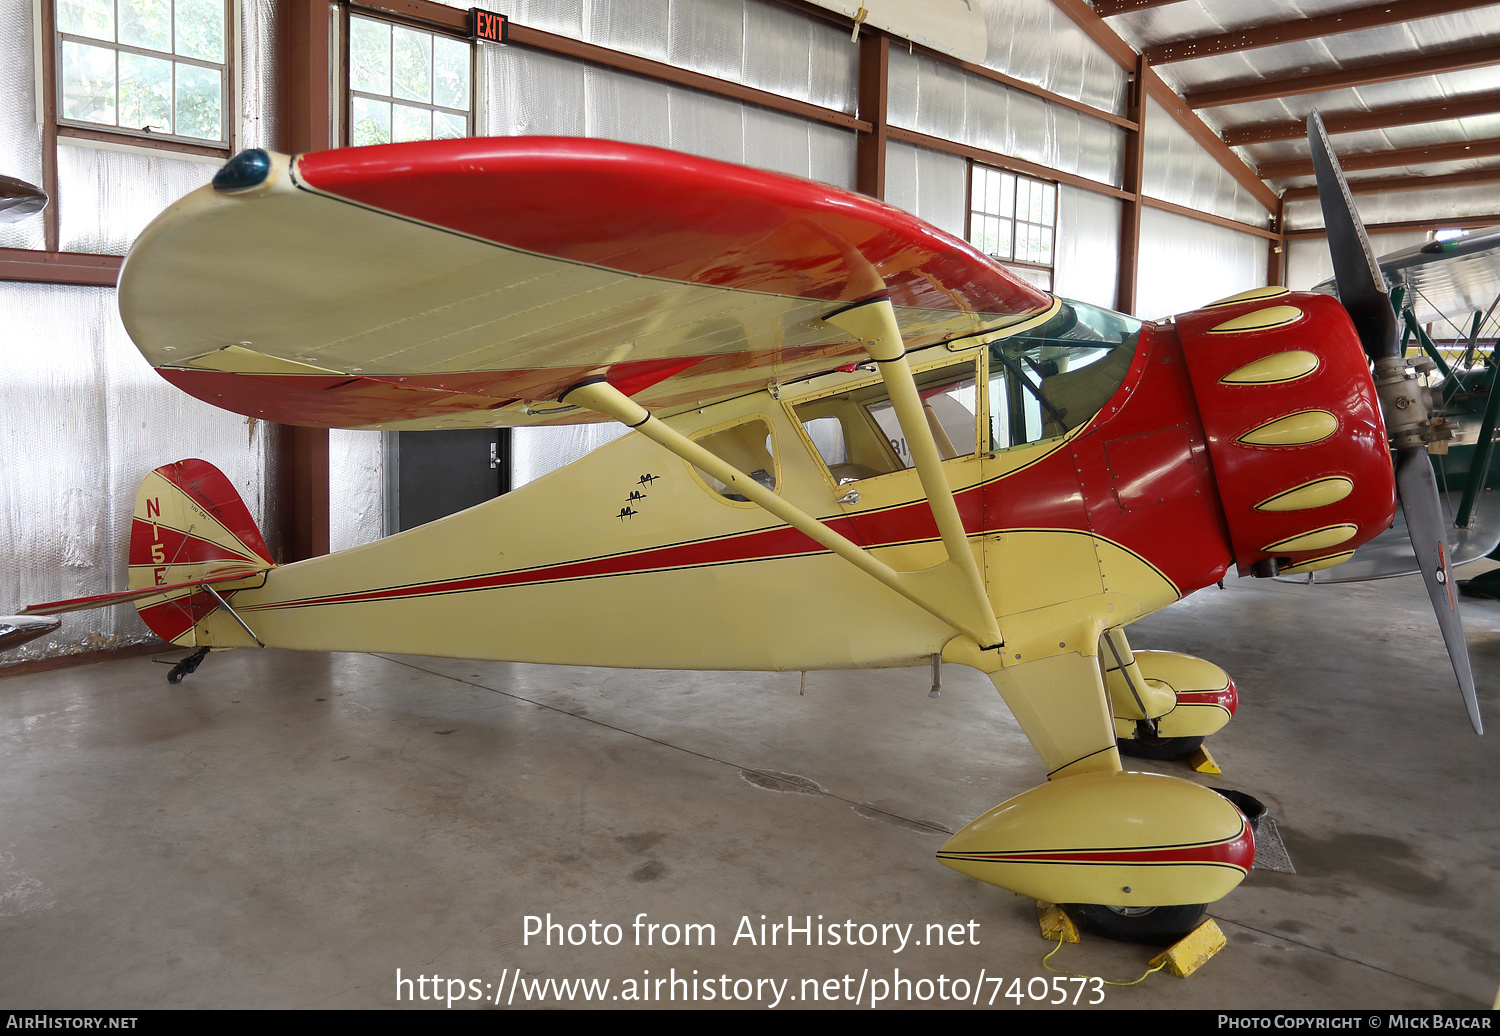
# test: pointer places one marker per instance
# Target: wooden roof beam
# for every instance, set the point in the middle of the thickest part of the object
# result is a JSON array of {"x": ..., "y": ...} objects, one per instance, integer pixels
[
  {"x": 1485, "y": 148},
  {"x": 1295, "y": 30},
  {"x": 1374, "y": 119},
  {"x": 1341, "y": 78}
]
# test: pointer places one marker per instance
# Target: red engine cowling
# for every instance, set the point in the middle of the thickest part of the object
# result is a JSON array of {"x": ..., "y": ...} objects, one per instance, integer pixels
[{"x": 1294, "y": 430}]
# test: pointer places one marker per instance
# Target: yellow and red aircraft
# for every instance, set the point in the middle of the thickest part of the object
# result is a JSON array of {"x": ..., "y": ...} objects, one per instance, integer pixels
[{"x": 860, "y": 443}]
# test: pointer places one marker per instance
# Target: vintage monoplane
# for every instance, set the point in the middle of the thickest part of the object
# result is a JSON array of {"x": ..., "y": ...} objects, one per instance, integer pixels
[{"x": 860, "y": 443}]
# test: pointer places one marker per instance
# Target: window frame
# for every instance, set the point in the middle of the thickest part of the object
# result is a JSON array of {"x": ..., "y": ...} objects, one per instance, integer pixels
[
  {"x": 51, "y": 89},
  {"x": 1015, "y": 221},
  {"x": 802, "y": 409},
  {"x": 347, "y": 13},
  {"x": 711, "y": 485}
]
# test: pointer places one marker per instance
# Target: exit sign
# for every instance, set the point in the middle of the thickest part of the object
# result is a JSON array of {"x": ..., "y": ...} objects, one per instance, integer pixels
[{"x": 488, "y": 26}]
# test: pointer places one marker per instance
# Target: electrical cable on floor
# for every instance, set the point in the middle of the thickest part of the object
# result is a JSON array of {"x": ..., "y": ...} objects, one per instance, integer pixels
[{"x": 1107, "y": 982}]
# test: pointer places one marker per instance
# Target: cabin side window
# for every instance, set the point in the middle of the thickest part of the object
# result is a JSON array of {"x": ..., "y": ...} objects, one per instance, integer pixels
[
  {"x": 749, "y": 447},
  {"x": 858, "y": 436},
  {"x": 1048, "y": 380}
]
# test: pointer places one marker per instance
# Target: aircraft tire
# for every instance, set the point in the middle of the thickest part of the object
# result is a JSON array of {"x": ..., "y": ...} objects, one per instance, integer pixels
[
  {"x": 1154, "y": 925},
  {"x": 1159, "y": 749}
]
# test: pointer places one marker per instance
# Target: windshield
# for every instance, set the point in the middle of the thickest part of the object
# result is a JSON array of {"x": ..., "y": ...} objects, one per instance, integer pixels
[{"x": 1050, "y": 379}]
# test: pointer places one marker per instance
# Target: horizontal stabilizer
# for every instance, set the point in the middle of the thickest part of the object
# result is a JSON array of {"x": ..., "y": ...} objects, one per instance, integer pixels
[{"x": 78, "y": 604}]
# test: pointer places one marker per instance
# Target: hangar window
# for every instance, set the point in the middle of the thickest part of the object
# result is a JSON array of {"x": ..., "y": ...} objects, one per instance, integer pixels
[
  {"x": 1050, "y": 379},
  {"x": 147, "y": 69},
  {"x": 1014, "y": 219},
  {"x": 858, "y": 436},
  {"x": 406, "y": 83}
]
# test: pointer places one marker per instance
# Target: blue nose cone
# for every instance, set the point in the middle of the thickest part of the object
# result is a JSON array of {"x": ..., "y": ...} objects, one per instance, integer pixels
[{"x": 247, "y": 169}]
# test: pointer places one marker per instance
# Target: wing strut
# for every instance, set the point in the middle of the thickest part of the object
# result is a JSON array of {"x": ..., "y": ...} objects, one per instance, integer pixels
[
  {"x": 952, "y": 591},
  {"x": 874, "y": 323}
]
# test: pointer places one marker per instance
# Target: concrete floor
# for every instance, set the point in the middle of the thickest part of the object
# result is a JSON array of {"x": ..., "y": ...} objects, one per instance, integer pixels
[{"x": 289, "y": 830}]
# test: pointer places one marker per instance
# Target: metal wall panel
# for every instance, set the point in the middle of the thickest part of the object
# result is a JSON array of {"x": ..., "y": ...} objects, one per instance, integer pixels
[
  {"x": 1187, "y": 263},
  {"x": 1088, "y": 246},
  {"x": 1177, "y": 169},
  {"x": 83, "y": 418}
]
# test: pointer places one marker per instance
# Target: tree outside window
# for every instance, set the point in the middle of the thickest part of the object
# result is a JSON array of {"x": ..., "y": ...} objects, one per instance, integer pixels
[{"x": 148, "y": 68}]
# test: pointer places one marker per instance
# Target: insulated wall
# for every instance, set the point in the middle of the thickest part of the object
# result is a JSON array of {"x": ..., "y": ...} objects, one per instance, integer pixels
[
  {"x": 1088, "y": 246},
  {"x": 1186, "y": 263},
  {"x": 1178, "y": 170},
  {"x": 1309, "y": 263},
  {"x": 356, "y": 488},
  {"x": 1032, "y": 41},
  {"x": 930, "y": 184},
  {"x": 20, "y": 136},
  {"x": 1399, "y": 206},
  {"x": 752, "y": 42},
  {"x": 532, "y": 92},
  {"x": 933, "y": 97},
  {"x": 83, "y": 418}
]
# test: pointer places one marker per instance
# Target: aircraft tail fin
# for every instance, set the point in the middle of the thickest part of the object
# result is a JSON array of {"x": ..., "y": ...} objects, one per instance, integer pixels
[
  {"x": 191, "y": 529},
  {"x": 191, "y": 533}
]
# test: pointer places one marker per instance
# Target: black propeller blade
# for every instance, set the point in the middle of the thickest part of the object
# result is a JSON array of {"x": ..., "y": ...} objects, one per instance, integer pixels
[{"x": 1404, "y": 401}]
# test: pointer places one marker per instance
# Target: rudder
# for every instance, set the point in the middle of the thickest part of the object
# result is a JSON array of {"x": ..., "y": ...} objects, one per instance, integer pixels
[{"x": 190, "y": 528}]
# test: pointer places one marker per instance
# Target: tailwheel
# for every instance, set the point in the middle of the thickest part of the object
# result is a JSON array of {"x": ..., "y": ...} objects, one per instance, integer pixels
[
  {"x": 1159, "y": 749},
  {"x": 1156, "y": 925}
]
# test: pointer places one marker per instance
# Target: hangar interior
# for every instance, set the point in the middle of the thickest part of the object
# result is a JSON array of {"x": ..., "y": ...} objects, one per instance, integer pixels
[{"x": 207, "y": 844}]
